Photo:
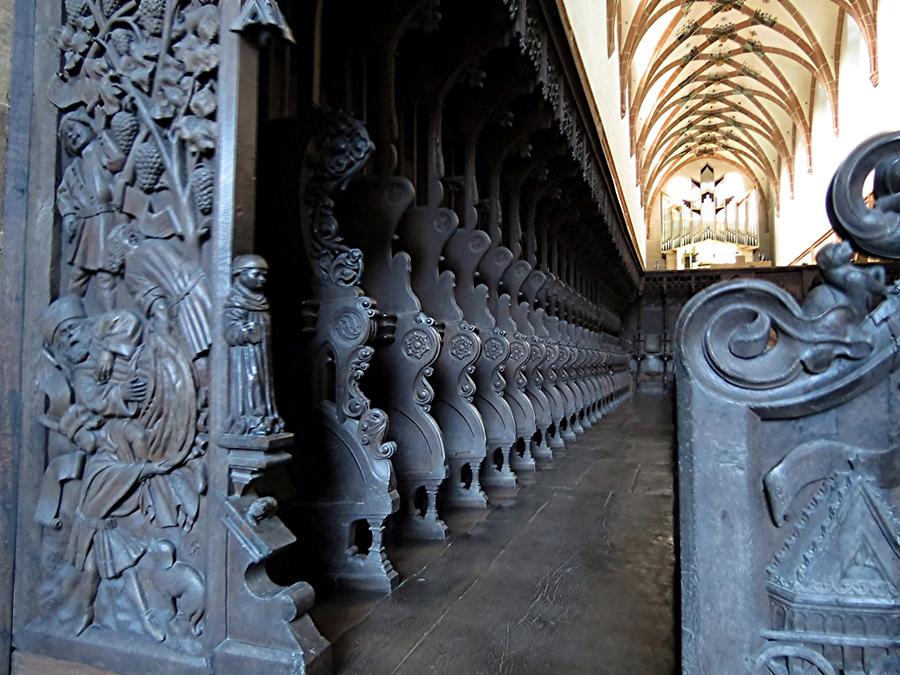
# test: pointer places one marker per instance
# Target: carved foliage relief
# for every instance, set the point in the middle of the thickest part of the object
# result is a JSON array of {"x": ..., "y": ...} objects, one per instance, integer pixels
[{"x": 124, "y": 364}]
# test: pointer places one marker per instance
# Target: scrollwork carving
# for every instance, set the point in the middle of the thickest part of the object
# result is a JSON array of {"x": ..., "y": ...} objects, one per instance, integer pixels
[
  {"x": 338, "y": 153},
  {"x": 874, "y": 230},
  {"x": 756, "y": 338},
  {"x": 805, "y": 394},
  {"x": 357, "y": 402},
  {"x": 373, "y": 426},
  {"x": 353, "y": 466}
]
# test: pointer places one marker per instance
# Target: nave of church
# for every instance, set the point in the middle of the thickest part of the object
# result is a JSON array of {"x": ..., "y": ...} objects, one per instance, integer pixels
[{"x": 451, "y": 336}]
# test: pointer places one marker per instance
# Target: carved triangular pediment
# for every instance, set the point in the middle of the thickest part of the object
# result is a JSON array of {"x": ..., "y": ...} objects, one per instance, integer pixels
[{"x": 845, "y": 549}]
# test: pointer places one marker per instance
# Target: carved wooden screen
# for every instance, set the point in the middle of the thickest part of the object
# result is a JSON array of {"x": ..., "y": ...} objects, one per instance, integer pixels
[
  {"x": 146, "y": 398},
  {"x": 789, "y": 461}
]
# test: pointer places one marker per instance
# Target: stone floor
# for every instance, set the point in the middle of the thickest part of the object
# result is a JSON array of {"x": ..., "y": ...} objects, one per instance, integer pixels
[{"x": 576, "y": 576}]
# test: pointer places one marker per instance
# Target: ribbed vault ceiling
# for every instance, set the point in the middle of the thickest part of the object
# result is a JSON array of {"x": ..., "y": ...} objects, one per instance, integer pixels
[{"x": 732, "y": 80}]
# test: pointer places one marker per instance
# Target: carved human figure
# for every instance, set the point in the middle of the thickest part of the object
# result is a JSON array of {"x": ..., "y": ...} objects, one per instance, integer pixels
[
  {"x": 248, "y": 334},
  {"x": 85, "y": 201},
  {"x": 101, "y": 424},
  {"x": 165, "y": 286},
  {"x": 133, "y": 417}
]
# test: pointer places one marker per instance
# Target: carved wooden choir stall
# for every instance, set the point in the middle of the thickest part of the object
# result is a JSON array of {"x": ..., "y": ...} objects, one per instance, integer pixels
[
  {"x": 789, "y": 458},
  {"x": 296, "y": 278}
]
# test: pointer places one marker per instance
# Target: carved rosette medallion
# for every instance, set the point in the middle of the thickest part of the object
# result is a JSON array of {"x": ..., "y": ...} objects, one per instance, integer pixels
[
  {"x": 518, "y": 351},
  {"x": 349, "y": 325},
  {"x": 462, "y": 347},
  {"x": 417, "y": 344},
  {"x": 493, "y": 348}
]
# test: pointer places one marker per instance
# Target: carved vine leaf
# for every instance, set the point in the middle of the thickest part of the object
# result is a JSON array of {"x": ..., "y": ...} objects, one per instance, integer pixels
[{"x": 156, "y": 59}]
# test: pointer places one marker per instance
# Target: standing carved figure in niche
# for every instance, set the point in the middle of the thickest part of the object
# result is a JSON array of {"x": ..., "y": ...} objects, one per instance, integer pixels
[
  {"x": 248, "y": 334},
  {"x": 85, "y": 200}
]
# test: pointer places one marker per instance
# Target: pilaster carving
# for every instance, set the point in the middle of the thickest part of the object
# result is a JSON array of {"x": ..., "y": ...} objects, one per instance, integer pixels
[
  {"x": 491, "y": 269},
  {"x": 463, "y": 252},
  {"x": 513, "y": 280},
  {"x": 404, "y": 363},
  {"x": 123, "y": 502}
]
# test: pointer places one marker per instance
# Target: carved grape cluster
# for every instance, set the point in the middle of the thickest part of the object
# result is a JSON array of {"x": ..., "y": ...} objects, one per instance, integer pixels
[
  {"x": 124, "y": 127},
  {"x": 151, "y": 14},
  {"x": 148, "y": 166}
]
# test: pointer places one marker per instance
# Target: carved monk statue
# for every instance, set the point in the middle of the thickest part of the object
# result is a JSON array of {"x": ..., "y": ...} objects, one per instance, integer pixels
[
  {"x": 248, "y": 334},
  {"x": 86, "y": 203}
]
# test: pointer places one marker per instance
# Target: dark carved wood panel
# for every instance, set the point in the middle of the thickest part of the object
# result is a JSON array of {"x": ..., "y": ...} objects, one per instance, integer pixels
[{"x": 788, "y": 456}]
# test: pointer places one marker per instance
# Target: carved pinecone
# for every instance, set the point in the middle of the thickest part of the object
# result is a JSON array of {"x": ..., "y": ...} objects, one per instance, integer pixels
[
  {"x": 124, "y": 127},
  {"x": 150, "y": 16},
  {"x": 111, "y": 6},
  {"x": 148, "y": 166},
  {"x": 202, "y": 186}
]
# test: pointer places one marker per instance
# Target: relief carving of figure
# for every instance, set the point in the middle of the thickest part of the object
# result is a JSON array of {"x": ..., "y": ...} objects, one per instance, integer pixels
[
  {"x": 248, "y": 334},
  {"x": 166, "y": 287},
  {"x": 85, "y": 200},
  {"x": 133, "y": 419}
]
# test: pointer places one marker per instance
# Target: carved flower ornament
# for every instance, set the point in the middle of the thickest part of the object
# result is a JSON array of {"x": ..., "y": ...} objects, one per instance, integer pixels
[
  {"x": 416, "y": 344},
  {"x": 493, "y": 349},
  {"x": 462, "y": 347}
]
